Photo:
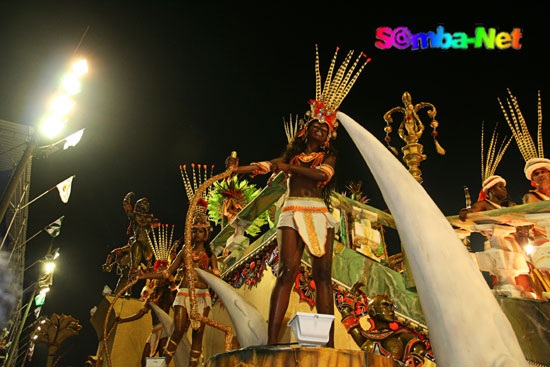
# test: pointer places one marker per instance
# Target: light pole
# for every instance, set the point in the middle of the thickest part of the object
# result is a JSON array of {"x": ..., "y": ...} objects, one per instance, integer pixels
[
  {"x": 51, "y": 126},
  {"x": 44, "y": 288}
]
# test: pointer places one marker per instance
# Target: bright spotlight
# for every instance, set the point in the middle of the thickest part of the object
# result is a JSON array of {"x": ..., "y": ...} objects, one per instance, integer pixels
[
  {"x": 73, "y": 139},
  {"x": 56, "y": 254},
  {"x": 61, "y": 105},
  {"x": 49, "y": 267},
  {"x": 44, "y": 290},
  {"x": 35, "y": 337},
  {"x": 80, "y": 68},
  {"x": 529, "y": 249},
  {"x": 52, "y": 126},
  {"x": 71, "y": 84}
]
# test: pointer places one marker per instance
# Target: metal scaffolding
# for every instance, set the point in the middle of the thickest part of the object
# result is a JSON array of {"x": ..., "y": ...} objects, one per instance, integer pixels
[{"x": 14, "y": 143}]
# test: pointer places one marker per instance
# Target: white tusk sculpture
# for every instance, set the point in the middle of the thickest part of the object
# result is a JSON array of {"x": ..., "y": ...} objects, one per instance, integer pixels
[
  {"x": 467, "y": 327},
  {"x": 249, "y": 324},
  {"x": 181, "y": 357}
]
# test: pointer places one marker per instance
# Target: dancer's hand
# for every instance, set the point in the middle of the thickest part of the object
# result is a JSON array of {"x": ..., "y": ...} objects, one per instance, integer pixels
[
  {"x": 231, "y": 161},
  {"x": 463, "y": 213},
  {"x": 280, "y": 166}
]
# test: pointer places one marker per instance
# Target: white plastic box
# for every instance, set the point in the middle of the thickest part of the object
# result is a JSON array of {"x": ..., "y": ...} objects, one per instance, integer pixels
[
  {"x": 155, "y": 362},
  {"x": 311, "y": 328}
]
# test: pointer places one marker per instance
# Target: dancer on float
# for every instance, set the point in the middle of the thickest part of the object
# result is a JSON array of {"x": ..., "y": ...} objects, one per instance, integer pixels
[
  {"x": 305, "y": 221},
  {"x": 493, "y": 193},
  {"x": 157, "y": 291},
  {"x": 537, "y": 168},
  {"x": 203, "y": 258}
]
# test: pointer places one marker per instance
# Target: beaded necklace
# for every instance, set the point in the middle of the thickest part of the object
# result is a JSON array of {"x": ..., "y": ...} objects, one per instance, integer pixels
[{"x": 313, "y": 159}]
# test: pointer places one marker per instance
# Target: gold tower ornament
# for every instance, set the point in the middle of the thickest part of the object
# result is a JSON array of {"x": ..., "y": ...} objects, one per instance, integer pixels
[{"x": 410, "y": 131}]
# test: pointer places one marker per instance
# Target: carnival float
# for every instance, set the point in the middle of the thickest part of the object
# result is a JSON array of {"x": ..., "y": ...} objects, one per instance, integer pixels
[{"x": 428, "y": 305}]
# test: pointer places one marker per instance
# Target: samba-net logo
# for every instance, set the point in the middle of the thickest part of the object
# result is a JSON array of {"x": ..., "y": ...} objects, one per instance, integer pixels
[{"x": 402, "y": 38}]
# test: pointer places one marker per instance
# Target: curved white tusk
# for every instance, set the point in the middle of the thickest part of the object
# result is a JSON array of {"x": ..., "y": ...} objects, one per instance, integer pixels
[
  {"x": 249, "y": 324},
  {"x": 467, "y": 326}
]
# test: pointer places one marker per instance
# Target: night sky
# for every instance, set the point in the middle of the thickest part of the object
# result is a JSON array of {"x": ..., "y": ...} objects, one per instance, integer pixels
[{"x": 172, "y": 84}]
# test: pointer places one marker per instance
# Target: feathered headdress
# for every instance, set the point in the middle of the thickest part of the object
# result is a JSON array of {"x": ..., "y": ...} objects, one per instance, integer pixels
[
  {"x": 291, "y": 128},
  {"x": 234, "y": 193},
  {"x": 490, "y": 161},
  {"x": 161, "y": 244},
  {"x": 328, "y": 98},
  {"x": 200, "y": 218},
  {"x": 532, "y": 154}
]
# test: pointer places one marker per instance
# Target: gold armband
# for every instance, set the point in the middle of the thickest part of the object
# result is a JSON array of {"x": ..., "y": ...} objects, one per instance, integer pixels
[{"x": 328, "y": 170}]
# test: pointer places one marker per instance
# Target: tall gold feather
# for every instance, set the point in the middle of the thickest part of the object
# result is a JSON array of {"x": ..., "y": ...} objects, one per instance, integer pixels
[{"x": 317, "y": 75}]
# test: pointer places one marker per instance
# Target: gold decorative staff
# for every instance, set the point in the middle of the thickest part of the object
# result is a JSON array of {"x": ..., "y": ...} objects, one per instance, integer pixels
[
  {"x": 189, "y": 270},
  {"x": 410, "y": 131}
]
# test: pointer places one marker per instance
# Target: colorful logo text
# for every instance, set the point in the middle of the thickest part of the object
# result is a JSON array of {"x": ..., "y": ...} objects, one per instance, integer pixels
[{"x": 402, "y": 38}]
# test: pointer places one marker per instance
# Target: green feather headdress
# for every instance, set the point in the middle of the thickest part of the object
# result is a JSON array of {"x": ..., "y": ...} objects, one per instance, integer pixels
[{"x": 242, "y": 192}]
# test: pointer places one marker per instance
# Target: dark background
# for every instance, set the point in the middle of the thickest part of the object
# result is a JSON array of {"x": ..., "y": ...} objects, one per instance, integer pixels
[{"x": 179, "y": 83}]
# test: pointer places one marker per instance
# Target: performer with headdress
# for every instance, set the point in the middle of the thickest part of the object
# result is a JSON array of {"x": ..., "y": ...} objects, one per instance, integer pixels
[
  {"x": 203, "y": 258},
  {"x": 158, "y": 291},
  {"x": 493, "y": 194},
  {"x": 305, "y": 220},
  {"x": 537, "y": 168}
]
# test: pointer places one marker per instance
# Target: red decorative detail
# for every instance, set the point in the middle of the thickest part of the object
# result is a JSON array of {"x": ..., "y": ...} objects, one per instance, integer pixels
[
  {"x": 312, "y": 284},
  {"x": 325, "y": 116},
  {"x": 160, "y": 264},
  {"x": 482, "y": 195},
  {"x": 434, "y": 133},
  {"x": 313, "y": 159},
  {"x": 394, "y": 326},
  {"x": 252, "y": 265},
  {"x": 371, "y": 322},
  {"x": 350, "y": 321},
  {"x": 302, "y": 286},
  {"x": 202, "y": 203},
  {"x": 387, "y": 138}
]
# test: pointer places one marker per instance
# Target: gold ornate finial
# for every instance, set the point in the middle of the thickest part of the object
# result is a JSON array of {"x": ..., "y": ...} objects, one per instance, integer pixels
[{"x": 410, "y": 131}]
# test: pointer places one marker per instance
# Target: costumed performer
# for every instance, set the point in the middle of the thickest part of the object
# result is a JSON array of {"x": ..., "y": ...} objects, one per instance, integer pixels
[
  {"x": 537, "y": 170},
  {"x": 305, "y": 220},
  {"x": 493, "y": 193},
  {"x": 203, "y": 258},
  {"x": 156, "y": 291}
]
